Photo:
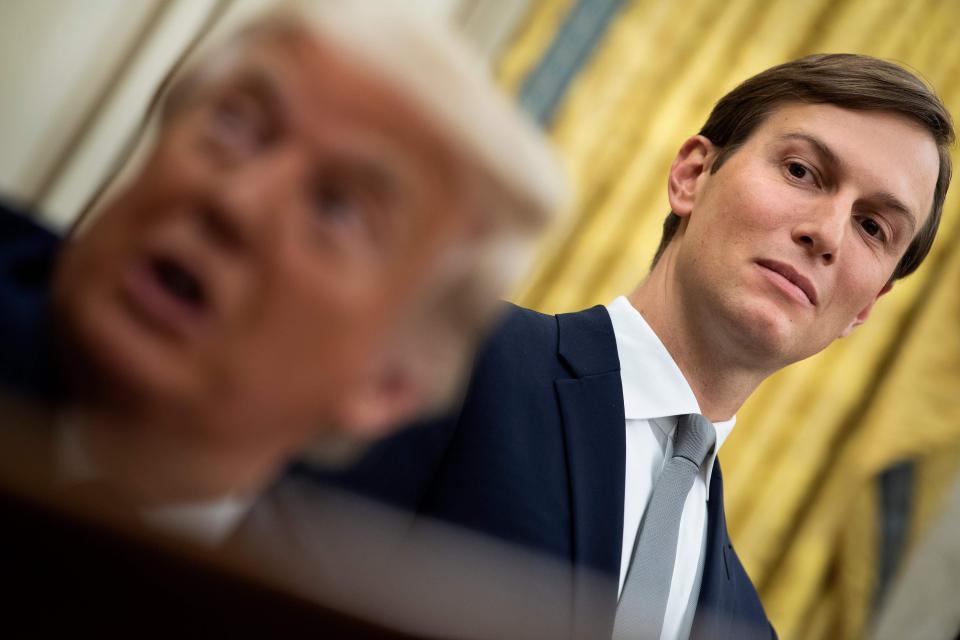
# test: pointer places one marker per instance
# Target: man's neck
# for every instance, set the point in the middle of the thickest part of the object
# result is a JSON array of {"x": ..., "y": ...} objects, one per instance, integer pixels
[
  {"x": 151, "y": 462},
  {"x": 720, "y": 382}
]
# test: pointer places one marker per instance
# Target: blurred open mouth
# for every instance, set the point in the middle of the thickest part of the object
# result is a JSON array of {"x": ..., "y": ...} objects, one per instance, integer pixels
[
  {"x": 179, "y": 283},
  {"x": 168, "y": 295}
]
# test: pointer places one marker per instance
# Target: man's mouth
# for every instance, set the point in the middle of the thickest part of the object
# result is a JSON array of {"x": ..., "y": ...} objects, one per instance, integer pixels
[
  {"x": 168, "y": 295},
  {"x": 790, "y": 280},
  {"x": 179, "y": 282}
]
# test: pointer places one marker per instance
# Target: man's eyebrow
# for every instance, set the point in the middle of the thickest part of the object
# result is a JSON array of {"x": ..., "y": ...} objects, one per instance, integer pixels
[
  {"x": 267, "y": 88},
  {"x": 375, "y": 173},
  {"x": 825, "y": 151}
]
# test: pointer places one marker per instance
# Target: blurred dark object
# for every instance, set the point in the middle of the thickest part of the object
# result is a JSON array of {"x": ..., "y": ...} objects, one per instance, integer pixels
[
  {"x": 302, "y": 558},
  {"x": 66, "y": 572},
  {"x": 74, "y": 557}
]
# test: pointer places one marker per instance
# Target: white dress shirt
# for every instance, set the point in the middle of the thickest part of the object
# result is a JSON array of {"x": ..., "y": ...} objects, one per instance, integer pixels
[{"x": 655, "y": 393}]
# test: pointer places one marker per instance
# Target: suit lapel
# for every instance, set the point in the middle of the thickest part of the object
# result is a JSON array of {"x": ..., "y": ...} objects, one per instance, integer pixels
[{"x": 591, "y": 406}]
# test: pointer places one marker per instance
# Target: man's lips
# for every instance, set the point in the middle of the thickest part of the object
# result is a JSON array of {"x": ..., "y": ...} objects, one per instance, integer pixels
[
  {"x": 791, "y": 279},
  {"x": 179, "y": 281},
  {"x": 168, "y": 295}
]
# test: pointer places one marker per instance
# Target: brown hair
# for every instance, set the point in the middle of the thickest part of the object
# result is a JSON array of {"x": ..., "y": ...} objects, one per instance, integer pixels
[{"x": 846, "y": 80}]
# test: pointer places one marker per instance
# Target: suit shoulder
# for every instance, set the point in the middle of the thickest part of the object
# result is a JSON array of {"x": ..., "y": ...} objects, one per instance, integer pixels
[
  {"x": 518, "y": 319},
  {"x": 520, "y": 333},
  {"x": 17, "y": 223},
  {"x": 27, "y": 249}
]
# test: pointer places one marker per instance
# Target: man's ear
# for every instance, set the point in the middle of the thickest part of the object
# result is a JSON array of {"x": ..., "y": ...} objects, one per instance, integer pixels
[
  {"x": 388, "y": 398},
  {"x": 692, "y": 162},
  {"x": 865, "y": 312}
]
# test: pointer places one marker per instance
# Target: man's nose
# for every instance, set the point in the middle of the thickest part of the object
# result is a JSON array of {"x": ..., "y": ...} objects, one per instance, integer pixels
[
  {"x": 245, "y": 204},
  {"x": 822, "y": 230}
]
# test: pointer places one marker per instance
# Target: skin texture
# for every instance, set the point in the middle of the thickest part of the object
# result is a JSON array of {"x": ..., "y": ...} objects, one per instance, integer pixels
[
  {"x": 833, "y": 195},
  {"x": 312, "y": 204}
]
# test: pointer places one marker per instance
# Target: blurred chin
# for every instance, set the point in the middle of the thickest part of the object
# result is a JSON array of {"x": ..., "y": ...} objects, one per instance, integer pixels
[
  {"x": 117, "y": 359},
  {"x": 334, "y": 451}
]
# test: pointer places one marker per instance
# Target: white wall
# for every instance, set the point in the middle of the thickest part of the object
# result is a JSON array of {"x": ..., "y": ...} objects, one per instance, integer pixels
[{"x": 56, "y": 59}]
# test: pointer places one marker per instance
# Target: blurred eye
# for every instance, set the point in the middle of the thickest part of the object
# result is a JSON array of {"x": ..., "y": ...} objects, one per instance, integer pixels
[
  {"x": 347, "y": 205},
  {"x": 239, "y": 125},
  {"x": 335, "y": 201}
]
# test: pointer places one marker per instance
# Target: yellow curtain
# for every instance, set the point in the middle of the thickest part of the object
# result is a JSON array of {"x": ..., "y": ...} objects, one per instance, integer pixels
[{"x": 801, "y": 465}]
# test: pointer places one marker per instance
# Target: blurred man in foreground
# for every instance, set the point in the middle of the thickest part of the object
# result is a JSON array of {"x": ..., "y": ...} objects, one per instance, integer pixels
[{"x": 334, "y": 199}]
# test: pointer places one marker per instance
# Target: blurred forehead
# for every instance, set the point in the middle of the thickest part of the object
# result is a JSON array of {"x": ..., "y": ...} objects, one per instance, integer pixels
[{"x": 320, "y": 85}]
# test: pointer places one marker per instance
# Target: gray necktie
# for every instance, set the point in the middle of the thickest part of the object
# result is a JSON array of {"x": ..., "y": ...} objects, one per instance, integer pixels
[{"x": 643, "y": 601}]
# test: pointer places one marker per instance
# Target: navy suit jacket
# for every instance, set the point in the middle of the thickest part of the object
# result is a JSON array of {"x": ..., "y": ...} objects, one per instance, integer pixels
[
  {"x": 535, "y": 455},
  {"x": 27, "y": 256}
]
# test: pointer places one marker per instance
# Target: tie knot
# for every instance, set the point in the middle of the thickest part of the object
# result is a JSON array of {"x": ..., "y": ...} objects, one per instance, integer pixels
[{"x": 695, "y": 438}]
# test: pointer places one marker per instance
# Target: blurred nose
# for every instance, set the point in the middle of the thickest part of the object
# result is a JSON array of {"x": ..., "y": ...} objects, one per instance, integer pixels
[
  {"x": 247, "y": 205},
  {"x": 822, "y": 229}
]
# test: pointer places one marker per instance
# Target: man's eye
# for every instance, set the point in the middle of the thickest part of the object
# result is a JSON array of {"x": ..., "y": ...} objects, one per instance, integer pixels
[
  {"x": 798, "y": 171},
  {"x": 871, "y": 227},
  {"x": 336, "y": 202},
  {"x": 238, "y": 124}
]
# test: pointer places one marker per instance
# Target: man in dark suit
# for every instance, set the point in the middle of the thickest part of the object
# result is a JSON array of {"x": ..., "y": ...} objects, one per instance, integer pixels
[{"x": 811, "y": 188}]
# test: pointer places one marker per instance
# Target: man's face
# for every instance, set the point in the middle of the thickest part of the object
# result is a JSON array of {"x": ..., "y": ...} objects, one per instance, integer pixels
[
  {"x": 254, "y": 272},
  {"x": 793, "y": 239}
]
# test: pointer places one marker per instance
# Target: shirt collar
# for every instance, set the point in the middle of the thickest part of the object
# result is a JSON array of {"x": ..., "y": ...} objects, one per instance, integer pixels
[{"x": 653, "y": 386}]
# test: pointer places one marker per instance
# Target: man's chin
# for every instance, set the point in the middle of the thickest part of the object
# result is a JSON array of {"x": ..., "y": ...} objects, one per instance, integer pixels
[
  {"x": 334, "y": 451},
  {"x": 117, "y": 364},
  {"x": 766, "y": 331}
]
